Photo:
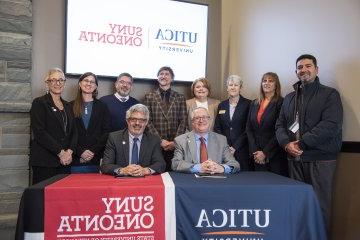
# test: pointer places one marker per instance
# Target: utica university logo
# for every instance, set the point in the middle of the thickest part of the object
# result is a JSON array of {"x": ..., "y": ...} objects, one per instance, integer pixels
[
  {"x": 211, "y": 222},
  {"x": 176, "y": 40}
]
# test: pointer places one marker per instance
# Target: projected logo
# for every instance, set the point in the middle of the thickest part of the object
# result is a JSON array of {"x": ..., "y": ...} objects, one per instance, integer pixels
[
  {"x": 115, "y": 34},
  {"x": 177, "y": 41},
  {"x": 233, "y": 224}
]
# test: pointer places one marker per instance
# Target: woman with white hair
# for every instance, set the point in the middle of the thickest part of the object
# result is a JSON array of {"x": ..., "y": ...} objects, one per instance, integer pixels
[
  {"x": 231, "y": 122},
  {"x": 53, "y": 133}
]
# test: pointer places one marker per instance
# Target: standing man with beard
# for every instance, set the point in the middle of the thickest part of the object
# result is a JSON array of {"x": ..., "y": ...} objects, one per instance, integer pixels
[
  {"x": 309, "y": 128},
  {"x": 120, "y": 102},
  {"x": 167, "y": 113}
]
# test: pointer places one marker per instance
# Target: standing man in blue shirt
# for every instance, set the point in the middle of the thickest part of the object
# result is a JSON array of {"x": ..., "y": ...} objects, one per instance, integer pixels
[{"x": 119, "y": 102}]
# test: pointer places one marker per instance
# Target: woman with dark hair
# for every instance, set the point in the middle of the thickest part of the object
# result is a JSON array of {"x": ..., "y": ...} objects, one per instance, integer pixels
[
  {"x": 53, "y": 133},
  {"x": 264, "y": 111},
  {"x": 92, "y": 123}
]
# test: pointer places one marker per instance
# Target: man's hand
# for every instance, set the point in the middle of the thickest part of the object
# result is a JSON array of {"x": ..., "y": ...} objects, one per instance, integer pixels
[
  {"x": 293, "y": 148},
  {"x": 86, "y": 156},
  {"x": 135, "y": 170},
  {"x": 259, "y": 157},
  {"x": 167, "y": 145},
  {"x": 209, "y": 166},
  {"x": 65, "y": 157}
]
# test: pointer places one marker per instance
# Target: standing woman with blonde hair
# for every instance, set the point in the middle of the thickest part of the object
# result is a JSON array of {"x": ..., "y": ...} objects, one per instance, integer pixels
[
  {"x": 201, "y": 90},
  {"x": 92, "y": 123},
  {"x": 265, "y": 151},
  {"x": 231, "y": 121},
  {"x": 53, "y": 134}
]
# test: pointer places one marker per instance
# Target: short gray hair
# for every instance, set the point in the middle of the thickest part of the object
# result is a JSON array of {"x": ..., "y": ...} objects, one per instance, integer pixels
[
  {"x": 141, "y": 108},
  {"x": 197, "y": 108},
  {"x": 235, "y": 79}
]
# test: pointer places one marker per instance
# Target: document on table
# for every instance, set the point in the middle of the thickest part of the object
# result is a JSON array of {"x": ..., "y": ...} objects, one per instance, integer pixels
[{"x": 206, "y": 175}]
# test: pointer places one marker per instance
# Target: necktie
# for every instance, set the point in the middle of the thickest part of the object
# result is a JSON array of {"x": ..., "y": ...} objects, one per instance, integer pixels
[
  {"x": 203, "y": 151},
  {"x": 135, "y": 152}
]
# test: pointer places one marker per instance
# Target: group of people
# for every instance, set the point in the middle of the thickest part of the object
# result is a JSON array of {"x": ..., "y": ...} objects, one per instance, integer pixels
[{"x": 297, "y": 136}]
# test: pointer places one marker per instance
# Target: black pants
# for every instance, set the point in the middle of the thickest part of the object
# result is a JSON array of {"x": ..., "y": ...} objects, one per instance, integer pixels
[
  {"x": 320, "y": 175},
  {"x": 168, "y": 156},
  {"x": 42, "y": 173}
]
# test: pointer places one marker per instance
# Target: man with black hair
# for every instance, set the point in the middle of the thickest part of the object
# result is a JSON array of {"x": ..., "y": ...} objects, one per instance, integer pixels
[{"x": 309, "y": 128}]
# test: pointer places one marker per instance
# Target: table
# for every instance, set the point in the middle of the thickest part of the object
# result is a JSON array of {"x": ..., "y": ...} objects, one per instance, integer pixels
[{"x": 248, "y": 205}]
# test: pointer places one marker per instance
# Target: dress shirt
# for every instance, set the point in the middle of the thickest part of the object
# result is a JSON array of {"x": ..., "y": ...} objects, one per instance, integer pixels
[
  {"x": 121, "y": 98},
  {"x": 197, "y": 167}
]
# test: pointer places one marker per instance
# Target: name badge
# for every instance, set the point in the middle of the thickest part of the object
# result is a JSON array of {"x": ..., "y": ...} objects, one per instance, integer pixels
[
  {"x": 222, "y": 111},
  {"x": 294, "y": 127}
]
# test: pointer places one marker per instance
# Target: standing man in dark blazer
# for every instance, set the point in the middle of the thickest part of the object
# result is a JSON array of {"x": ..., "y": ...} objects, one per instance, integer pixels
[
  {"x": 231, "y": 122},
  {"x": 131, "y": 151},
  {"x": 168, "y": 115}
]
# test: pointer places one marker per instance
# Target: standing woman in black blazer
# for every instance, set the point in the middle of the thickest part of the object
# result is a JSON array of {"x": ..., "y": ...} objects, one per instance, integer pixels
[
  {"x": 92, "y": 123},
  {"x": 53, "y": 133},
  {"x": 231, "y": 122},
  {"x": 264, "y": 111}
]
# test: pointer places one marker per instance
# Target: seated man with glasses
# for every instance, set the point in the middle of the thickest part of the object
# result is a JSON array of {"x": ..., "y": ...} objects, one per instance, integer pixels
[
  {"x": 201, "y": 150},
  {"x": 131, "y": 152}
]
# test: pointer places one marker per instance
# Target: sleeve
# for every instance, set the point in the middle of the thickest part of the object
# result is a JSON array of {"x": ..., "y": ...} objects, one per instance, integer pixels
[
  {"x": 148, "y": 101},
  {"x": 250, "y": 132},
  {"x": 179, "y": 164},
  {"x": 182, "y": 116},
  {"x": 157, "y": 162},
  {"x": 41, "y": 135},
  {"x": 229, "y": 160},
  {"x": 108, "y": 161},
  {"x": 330, "y": 123},
  {"x": 281, "y": 127},
  {"x": 105, "y": 129}
]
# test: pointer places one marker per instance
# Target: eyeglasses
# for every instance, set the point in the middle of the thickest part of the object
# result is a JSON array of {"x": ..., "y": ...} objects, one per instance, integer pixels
[
  {"x": 201, "y": 118},
  {"x": 125, "y": 83},
  {"x": 89, "y": 81},
  {"x": 58, "y": 81},
  {"x": 140, "y": 120}
]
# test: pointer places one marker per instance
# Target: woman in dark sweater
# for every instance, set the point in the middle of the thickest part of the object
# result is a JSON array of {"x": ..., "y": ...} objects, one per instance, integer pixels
[{"x": 92, "y": 124}]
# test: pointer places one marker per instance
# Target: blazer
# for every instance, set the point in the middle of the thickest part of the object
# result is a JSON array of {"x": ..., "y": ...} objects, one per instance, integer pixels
[
  {"x": 116, "y": 152},
  {"x": 234, "y": 130},
  {"x": 185, "y": 152},
  {"x": 212, "y": 107},
  {"x": 48, "y": 135},
  {"x": 95, "y": 136},
  {"x": 166, "y": 124},
  {"x": 261, "y": 136}
]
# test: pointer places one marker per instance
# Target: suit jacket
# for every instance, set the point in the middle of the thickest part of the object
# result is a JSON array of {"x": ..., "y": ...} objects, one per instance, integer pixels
[
  {"x": 48, "y": 134},
  {"x": 166, "y": 124},
  {"x": 95, "y": 136},
  {"x": 235, "y": 129},
  {"x": 262, "y": 137},
  {"x": 116, "y": 152},
  {"x": 212, "y": 107},
  {"x": 185, "y": 152}
]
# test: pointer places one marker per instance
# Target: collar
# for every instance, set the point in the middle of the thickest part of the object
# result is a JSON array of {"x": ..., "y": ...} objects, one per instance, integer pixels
[
  {"x": 117, "y": 95},
  {"x": 198, "y": 136},
  {"x": 131, "y": 137}
]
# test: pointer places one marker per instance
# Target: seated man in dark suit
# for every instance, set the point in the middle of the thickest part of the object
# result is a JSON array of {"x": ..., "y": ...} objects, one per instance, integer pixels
[
  {"x": 131, "y": 152},
  {"x": 203, "y": 151}
]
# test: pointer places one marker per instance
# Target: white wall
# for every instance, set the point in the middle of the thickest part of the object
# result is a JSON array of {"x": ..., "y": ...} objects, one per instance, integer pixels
[{"x": 268, "y": 35}]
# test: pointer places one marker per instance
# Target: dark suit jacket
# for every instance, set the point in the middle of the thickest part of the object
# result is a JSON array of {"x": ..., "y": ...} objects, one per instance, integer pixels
[
  {"x": 95, "y": 136},
  {"x": 262, "y": 136},
  {"x": 48, "y": 135},
  {"x": 116, "y": 152},
  {"x": 166, "y": 124},
  {"x": 235, "y": 130}
]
